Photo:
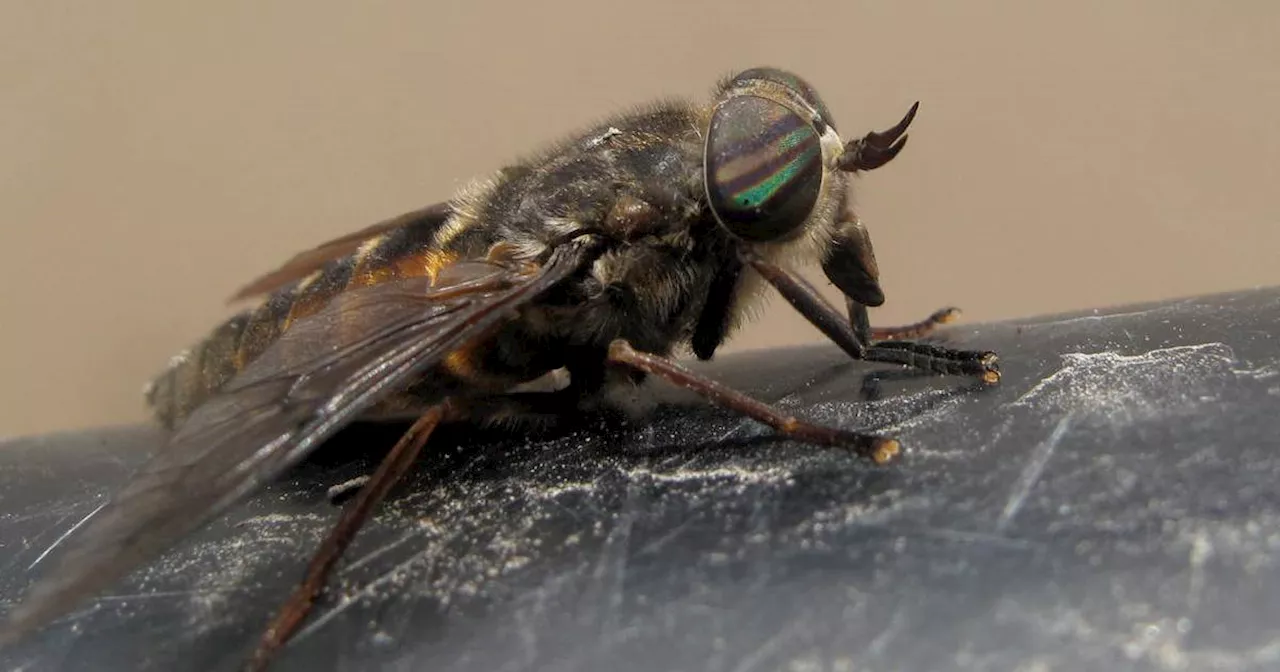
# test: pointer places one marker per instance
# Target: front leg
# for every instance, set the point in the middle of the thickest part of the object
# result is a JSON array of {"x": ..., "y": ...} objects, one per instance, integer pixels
[
  {"x": 846, "y": 332},
  {"x": 851, "y": 266}
]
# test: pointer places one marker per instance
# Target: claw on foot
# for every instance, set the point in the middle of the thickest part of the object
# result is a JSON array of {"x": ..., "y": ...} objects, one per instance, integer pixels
[
  {"x": 991, "y": 364},
  {"x": 886, "y": 450}
]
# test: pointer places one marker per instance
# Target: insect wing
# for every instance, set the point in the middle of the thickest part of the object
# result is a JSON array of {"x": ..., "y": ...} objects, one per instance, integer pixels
[
  {"x": 309, "y": 261},
  {"x": 320, "y": 374}
]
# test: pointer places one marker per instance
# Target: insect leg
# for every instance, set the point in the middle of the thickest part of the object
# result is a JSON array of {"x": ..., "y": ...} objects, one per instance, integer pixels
[
  {"x": 389, "y": 472},
  {"x": 981, "y": 364},
  {"x": 845, "y": 333},
  {"x": 851, "y": 266},
  {"x": 908, "y": 331},
  {"x": 717, "y": 313},
  {"x": 878, "y": 449},
  {"x": 806, "y": 299}
]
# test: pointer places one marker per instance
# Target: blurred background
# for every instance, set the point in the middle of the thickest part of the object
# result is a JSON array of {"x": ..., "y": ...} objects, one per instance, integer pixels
[{"x": 155, "y": 155}]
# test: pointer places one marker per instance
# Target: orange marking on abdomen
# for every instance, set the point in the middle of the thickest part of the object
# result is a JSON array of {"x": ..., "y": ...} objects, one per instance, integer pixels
[
  {"x": 427, "y": 263},
  {"x": 311, "y": 294},
  {"x": 371, "y": 267}
]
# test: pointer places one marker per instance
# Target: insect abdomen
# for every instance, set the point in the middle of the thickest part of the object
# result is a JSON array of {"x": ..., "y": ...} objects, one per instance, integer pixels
[
  {"x": 193, "y": 376},
  {"x": 197, "y": 372}
]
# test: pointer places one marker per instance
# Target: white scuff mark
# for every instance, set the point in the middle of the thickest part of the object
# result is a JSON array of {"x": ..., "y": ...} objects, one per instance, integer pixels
[
  {"x": 1260, "y": 373},
  {"x": 62, "y": 511},
  {"x": 165, "y": 594},
  {"x": 1104, "y": 317},
  {"x": 939, "y": 413},
  {"x": 971, "y": 537},
  {"x": 739, "y": 428},
  {"x": 749, "y": 427},
  {"x": 63, "y": 537},
  {"x": 878, "y": 510},
  {"x": 894, "y": 416},
  {"x": 340, "y": 489},
  {"x": 279, "y": 519},
  {"x": 1128, "y": 387},
  {"x": 656, "y": 545},
  {"x": 348, "y": 600},
  {"x": 218, "y": 570},
  {"x": 1032, "y": 472},
  {"x": 544, "y": 491},
  {"x": 377, "y": 553},
  {"x": 769, "y": 647},
  {"x": 1201, "y": 551},
  {"x": 890, "y": 632},
  {"x": 703, "y": 476}
]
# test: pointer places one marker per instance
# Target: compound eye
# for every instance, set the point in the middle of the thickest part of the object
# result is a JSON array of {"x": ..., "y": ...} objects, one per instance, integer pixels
[
  {"x": 763, "y": 168},
  {"x": 789, "y": 80}
]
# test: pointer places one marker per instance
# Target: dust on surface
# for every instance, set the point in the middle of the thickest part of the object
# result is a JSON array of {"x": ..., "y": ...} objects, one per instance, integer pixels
[{"x": 1128, "y": 387}]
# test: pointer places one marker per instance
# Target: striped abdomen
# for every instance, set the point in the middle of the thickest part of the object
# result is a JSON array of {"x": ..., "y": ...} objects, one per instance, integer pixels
[{"x": 197, "y": 373}]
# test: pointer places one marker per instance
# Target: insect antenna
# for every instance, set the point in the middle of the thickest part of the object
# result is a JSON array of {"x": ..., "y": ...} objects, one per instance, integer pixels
[{"x": 878, "y": 147}]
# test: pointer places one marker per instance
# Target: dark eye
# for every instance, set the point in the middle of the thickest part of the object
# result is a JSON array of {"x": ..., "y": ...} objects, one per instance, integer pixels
[
  {"x": 763, "y": 167},
  {"x": 791, "y": 81}
]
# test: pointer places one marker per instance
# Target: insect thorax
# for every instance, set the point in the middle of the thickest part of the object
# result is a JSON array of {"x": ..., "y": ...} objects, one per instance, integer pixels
[{"x": 657, "y": 292}]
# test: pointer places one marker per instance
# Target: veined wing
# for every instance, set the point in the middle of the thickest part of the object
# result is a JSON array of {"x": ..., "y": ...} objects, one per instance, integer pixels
[{"x": 318, "y": 376}]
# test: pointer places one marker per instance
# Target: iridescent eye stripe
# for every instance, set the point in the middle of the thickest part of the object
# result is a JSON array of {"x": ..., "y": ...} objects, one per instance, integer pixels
[
  {"x": 771, "y": 184},
  {"x": 770, "y": 162}
]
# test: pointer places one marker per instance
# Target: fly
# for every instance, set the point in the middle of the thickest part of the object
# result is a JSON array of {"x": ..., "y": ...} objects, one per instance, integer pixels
[{"x": 600, "y": 258}]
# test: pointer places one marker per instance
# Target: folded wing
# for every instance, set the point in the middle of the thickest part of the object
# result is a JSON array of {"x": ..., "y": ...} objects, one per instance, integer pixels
[{"x": 321, "y": 373}]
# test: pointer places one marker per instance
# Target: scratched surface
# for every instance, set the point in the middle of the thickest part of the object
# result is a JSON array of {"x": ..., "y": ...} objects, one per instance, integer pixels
[{"x": 1112, "y": 505}]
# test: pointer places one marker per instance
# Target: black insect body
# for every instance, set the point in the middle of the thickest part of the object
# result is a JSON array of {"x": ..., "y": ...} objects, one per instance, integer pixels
[{"x": 600, "y": 257}]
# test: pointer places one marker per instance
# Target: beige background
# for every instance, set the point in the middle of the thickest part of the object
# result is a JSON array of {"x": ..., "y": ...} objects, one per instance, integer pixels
[{"x": 154, "y": 155}]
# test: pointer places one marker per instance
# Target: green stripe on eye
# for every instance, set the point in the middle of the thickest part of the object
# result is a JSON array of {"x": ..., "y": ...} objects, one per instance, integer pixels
[
  {"x": 765, "y": 189},
  {"x": 795, "y": 137},
  {"x": 763, "y": 166}
]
